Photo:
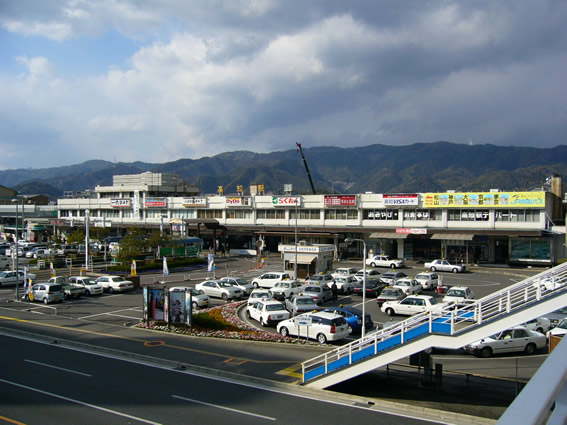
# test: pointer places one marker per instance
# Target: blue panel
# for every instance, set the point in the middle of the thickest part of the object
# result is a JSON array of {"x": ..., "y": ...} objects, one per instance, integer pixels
[{"x": 441, "y": 328}]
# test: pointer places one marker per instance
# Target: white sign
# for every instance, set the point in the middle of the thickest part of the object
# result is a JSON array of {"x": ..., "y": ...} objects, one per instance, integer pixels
[
  {"x": 286, "y": 201},
  {"x": 194, "y": 202},
  {"x": 137, "y": 204},
  {"x": 303, "y": 320},
  {"x": 237, "y": 202},
  {"x": 120, "y": 203},
  {"x": 400, "y": 199}
]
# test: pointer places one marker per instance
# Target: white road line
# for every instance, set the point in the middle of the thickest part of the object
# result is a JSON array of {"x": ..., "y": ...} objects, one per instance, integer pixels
[
  {"x": 82, "y": 403},
  {"x": 56, "y": 367},
  {"x": 109, "y": 313},
  {"x": 269, "y": 418}
]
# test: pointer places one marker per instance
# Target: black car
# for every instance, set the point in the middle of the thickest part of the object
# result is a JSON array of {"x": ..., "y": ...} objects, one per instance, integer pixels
[{"x": 373, "y": 287}]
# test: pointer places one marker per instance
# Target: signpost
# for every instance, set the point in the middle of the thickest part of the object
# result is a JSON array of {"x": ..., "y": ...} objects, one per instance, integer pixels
[{"x": 300, "y": 321}]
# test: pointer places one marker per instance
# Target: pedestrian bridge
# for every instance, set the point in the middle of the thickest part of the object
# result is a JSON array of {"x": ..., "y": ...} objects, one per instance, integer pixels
[{"x": 448, "y": 327}]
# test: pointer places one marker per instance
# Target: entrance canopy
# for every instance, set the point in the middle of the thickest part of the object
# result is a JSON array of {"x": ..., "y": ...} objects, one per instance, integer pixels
[
  {"x": 302, "y": 258},
  {"x": 453, "y": 236},
  {"x": 388, "y": 235}
]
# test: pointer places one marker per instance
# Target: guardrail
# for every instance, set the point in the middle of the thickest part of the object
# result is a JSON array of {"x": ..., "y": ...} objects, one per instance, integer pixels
[{"x": 447, "y": 319}]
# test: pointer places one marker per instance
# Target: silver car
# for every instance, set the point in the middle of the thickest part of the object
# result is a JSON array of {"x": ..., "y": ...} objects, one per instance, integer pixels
[
  {"x": 219, "y": 289},
  {"x": 198, "y": 300},
  {"x": 46, "y": 293},
  {"x": 240, "y": 283}
]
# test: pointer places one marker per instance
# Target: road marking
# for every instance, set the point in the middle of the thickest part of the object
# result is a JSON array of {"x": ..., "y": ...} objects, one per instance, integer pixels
[
  {"x": 82, "y": 403},
  {"x": 269, "y": 418},
  {"x": 56, "y": 367},
  {"x": 109, "y": 313},
  {"x": 5, "y": 419},
  {"x": 291, "y": 371}
]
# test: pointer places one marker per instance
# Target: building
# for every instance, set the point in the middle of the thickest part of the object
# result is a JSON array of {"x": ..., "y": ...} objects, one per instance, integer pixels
[{"x": 480, "y": 227}]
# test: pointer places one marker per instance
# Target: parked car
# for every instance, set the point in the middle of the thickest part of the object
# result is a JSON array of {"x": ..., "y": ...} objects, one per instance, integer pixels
[
  {"x": 373, "y": 288},
  {"x": 428, "y": 280},
  {"x": 549, "y": 283},
  {"x": 559, "y": 330},
  {"x": 512, "y": 340},
  {"x": 219, "y": 289},
  {"x": 259, "y": 295},
  {"x": 345, "y": 284},
  {"x": 287, "y": 288},
  {"x": 4, "y": 262},
  {"x": 370, "y": 275},
  {"x": 408, "y": 285},
  {"x": 539, "y": 324},
  {"x": 390, "y": 293},
  {"x": 268, "y": 280},
  {"x": 344, "y": 271},
  {"x": 557, "y": 316},
  {"x": 268, "y": 313},
  {"x": 46, "y": 293},
  {"x": 458, "y": 294},
  {"x": 298, "y": 304},
  {"x": 240, "y": 283},
  {"x": 410, "y": 305},
  {"x": 445, "y": 266},
  {"x": 70, "y": 290},
  {"x": 353, "y": 316},
  {"x": 89, "y": 283},
  {"x": 320, "y": 293},
  {"x": 31, "y": 253},
  {"x": 320, "y": 279},
  {"x": 389, "y": 278},
  {"x": 384, "y": 261},
  {"x": 198, "y": 300},
  {"x": 115, "y": 284},
  {"x": 10, "y": 277},
  {"x": 323, "y": 326}
]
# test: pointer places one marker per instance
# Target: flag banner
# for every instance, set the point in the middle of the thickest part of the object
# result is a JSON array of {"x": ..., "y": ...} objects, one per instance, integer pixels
[{"x": 165, "y": 269}]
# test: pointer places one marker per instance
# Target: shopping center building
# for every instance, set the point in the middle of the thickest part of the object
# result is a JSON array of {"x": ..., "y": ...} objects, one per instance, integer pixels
[{"x": 491, "y": 227}]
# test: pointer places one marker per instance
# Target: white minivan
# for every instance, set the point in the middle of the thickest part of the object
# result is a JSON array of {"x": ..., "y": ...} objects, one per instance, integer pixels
[{"x": 268, "y": 280}]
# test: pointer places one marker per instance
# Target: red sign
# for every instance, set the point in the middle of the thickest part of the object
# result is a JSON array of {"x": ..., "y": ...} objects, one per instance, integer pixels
[
  {"x": 340, "y": 201},
  {"x": 411, "y": 231}
]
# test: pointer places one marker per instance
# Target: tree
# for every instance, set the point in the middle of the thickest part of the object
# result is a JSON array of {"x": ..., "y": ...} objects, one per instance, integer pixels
[
  {"x": 157, "y": 240},
  {"x": 76, "y": 237},
  {"x": 133, "y": 245}
]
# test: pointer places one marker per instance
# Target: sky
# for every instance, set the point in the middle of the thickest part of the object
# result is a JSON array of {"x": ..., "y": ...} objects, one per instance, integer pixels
[{"x": 160, "y": 80}]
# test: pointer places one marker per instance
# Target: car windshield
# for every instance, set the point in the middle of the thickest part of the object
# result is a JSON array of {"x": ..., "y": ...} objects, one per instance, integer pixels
[
  {"x": 390, "y": 292},
  {"x": 316, "y": 277},
  {"x": 259, "y": 295},
  {"x": 242, "y": 281},
  {"x": 455, "y": 293},
  {"x": 304, "y": 301},
  {"x": 89, "y": 282},
  {"x": 194, "y": 292},
  {"x": 422, "y": 276},
  {"x": 118, "y": 279},
  {"x": 388, "y": 275},
  {"x": 225, "y": 284},
  {"x": 3, "y": 274},
  {"x": 282, "y": 285},
  {"x": 312, "y": 289},
  {"x": 55, "y": 288},
  {"x": 562, "y": 324},
  {"x": 275, "y": 307}
]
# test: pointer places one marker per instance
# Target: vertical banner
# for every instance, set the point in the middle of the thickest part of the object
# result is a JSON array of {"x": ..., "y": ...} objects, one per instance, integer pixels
[
  {"x": 51, "y": 269},
  {"x": 211, "y": 263},
  {"x": 133, "y": 268},
  {"x": 146, "y": 317},
  {"x": 156, "y": 304},
  {"x": 165, "y": 268},
  {"x": 188, "y": 307}
]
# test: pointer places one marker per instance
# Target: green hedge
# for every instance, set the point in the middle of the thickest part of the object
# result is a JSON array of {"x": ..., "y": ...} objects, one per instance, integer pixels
[{"x": 147, "y": 266}]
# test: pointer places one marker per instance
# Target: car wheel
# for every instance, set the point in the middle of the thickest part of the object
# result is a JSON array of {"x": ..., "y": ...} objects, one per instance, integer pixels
[
  {"x": 201, "y": 292},
  {"x": 224, "y": 297},
  {"x": 373, "y": 264},
  {"x": 88, "y": 293},
  {"x": 392, "y": 266},
  {"x": 194, "y": 305},
  {"x": 263, "y": 322},
  {"x": 284, "y": 331},
  {"x": 540, "y": 330},
  {"x": 530, "y": 349},
  {"x": 321, "y": 338},
  {"x": 110, "y": 290},
  {"x": 65, "y": 296},
  {"x": 455, "y": 270},
  {"x": 432, "y": 268},
  {"x": 45, "y": 301},
  {"x": 390, "y": 311},
  {"x": 486, "y": 352},
  {"x": 256, "y": 285}
]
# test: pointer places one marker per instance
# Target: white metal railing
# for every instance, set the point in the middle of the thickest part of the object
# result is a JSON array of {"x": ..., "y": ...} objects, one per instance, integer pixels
[{"x": 448, "y": 319}]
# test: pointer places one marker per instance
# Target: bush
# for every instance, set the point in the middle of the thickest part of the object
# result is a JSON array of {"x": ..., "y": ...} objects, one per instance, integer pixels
[{"x": 147, "y": 266}]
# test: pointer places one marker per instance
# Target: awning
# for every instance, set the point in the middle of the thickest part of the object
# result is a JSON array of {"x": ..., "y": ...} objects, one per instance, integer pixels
[
  {"x": 303, "y": 259},
  {"x": 388, "y": 235},
  {"x": 453, "y": 236}
]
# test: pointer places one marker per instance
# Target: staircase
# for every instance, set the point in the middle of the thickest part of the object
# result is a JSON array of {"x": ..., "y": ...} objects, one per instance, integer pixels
[{"x": 449, "y": 326}]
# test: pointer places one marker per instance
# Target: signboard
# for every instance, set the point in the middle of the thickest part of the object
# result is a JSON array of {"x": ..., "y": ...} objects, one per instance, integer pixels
[
  {"x": 485, "y": 200},
  {"x": 156, "y": 202},
  {"x": 412, "y": 231},
  {"x": 340, "y": 201},
  {"x": 238, "y": 202},
  {"x": 401, "y": 199},
  {"x": 137, "y": 204},
  {"x": 286, "y": 201},
  {"x": 312, "y": 249},
  {"x": 303, "y": 320},
  {"x": 195, "y": 202},
  {"x": 120, "y": 203}
]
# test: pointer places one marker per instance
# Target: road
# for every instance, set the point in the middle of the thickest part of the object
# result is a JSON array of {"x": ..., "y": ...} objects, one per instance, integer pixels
[{"x": 47, "y": 384}]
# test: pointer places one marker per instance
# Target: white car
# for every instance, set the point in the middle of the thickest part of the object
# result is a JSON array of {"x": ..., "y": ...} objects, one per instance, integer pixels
[
  {"x": 346, "y": 284},
  {"x": 115, "y": 284},
  {"x": 390, "y": 277},
  {"x": 4, "y": 262},
  {"x": 539, "y": 324},
  {"x": 408, "y": 285},
  {"x": 10, "y": 277},
  {"x": 287, "y": 288},
  {"x": 198, "y": 300},
  {"x": 411, "y": 305},
  {"x": 240, "y": 283},
  {"x": 384, "y": 261},
  {"x": 268, "y": 313},
  {"x": 458, "y": 294},
  {"x": 549, "y": 283},
  {"x": 320, "y": 279},
  {"x": 219, "y": 289},
  {"x": 344, "y": 271},
  {"x": 516, "y": 339},
  {"x": 89, "y": 283},
  {"x": 445, "y": 266},
  {"x": 259, "y": 295},
  {"x": 559, "y": 330},
  {"x": 370, "y": 275},
  {"x": 268, "y": 280},
  {"x": 428, "y": 280},
  {"x": 321, "y": 326}
]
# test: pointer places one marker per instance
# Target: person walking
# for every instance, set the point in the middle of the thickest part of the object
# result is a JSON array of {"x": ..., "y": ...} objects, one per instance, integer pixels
[{"x": 335, "y": 291}]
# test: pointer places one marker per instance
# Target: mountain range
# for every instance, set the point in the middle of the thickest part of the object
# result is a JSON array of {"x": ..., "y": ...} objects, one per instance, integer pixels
[{"x": 420, "y": 167}]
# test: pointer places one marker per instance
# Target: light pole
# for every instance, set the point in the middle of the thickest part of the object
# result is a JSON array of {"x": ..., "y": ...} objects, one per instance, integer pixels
[
  {"x": 17, "y": 252},
  {"x": 87, "y": 239},
  {"x": 295, "y": 269},
  {"x": 348, "y": 241}
]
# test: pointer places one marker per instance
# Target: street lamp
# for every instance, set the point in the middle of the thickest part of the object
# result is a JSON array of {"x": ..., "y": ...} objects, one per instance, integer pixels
[
  {"x": 17, "y": 251},
  {"x": 87, "y": 239},
  {"x": 348, "y": 241}
]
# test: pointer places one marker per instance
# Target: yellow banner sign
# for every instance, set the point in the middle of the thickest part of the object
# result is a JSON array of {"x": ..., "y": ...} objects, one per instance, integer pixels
[{"x": 485, "y": 200}]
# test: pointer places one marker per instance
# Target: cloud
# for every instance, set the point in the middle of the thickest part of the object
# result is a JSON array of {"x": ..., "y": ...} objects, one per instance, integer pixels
[{"x": 215, "y": 76}]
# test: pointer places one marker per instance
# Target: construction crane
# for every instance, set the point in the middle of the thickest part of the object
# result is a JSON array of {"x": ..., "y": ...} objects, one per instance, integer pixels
[{"x": 306, "y": 167}]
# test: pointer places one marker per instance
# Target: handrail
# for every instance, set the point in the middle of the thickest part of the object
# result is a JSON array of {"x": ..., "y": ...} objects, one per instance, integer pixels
[{"x": 448, "y": 319}]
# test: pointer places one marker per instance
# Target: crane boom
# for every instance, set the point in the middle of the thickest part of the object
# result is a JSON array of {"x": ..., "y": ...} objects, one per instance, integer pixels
[{"x": 306, "y": 167}]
